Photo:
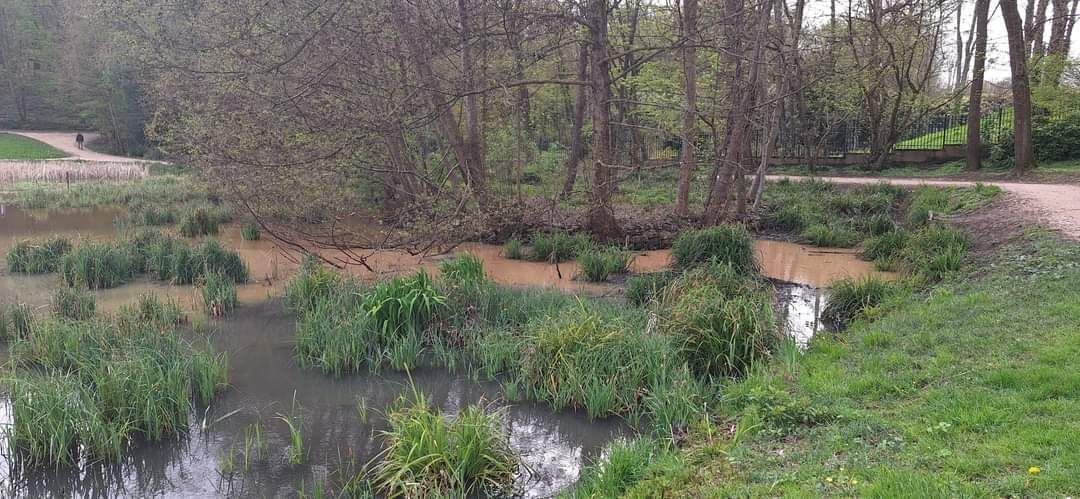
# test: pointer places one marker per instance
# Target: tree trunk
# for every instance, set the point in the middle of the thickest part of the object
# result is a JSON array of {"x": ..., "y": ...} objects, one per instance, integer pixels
[
  {"x": 577, "y": 149},
  {"x": 688, "y": 161},
  {"x": 1057, "y": 47},
  {"x": 974, "y": 118},
  {"x": 1021, "y": 88},
  {"x": 474, "y": 149},
  {"x": 601, "y": 218}
]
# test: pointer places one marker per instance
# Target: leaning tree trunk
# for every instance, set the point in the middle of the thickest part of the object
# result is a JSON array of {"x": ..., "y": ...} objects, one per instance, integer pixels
[
  {"x": 1021, "y": 88},
  {"x": 974, "y": 118}
]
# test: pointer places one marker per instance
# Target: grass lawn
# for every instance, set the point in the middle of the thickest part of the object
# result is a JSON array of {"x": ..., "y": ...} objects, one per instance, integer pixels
[
  {"x": 19, "y": 147},
  {"x": 967, "y": 390}
]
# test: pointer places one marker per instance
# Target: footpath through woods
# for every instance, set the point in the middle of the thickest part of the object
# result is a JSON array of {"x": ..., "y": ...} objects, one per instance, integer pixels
[
  {"x": 1056, "y": 205},
  {"x": 65, "y": 142}
]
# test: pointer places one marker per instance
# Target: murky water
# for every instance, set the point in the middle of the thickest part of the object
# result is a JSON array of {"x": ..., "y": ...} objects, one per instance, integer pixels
[{"x": 265, "y": 376}]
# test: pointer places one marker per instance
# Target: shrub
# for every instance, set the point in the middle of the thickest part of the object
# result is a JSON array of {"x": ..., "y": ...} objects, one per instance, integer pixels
[
  {"x": 558, "y": 246},
  {"x": 830, "y": 236},
  {"x": 219, "y": 294},
  {"x": 73, "y": 303},
  {"x": 724, "y": 243},
  {"x": 463, "y": 270},
  {"x": 1057, "y": 139},
  {"x": 513, "y": 250},
  {"x": 885, "y": 247},
  {"x": 428, "y": 454},
  {"x": 598, "y": 264},
  {"x": 37, "y": 258},
  {"x": 720, "y": 333},
  {"x": 849, "y": 299},
  {"x": 644, "y": 288},
  {"x": 249, "y": 231},
  {"x": 99, "y": 265}
]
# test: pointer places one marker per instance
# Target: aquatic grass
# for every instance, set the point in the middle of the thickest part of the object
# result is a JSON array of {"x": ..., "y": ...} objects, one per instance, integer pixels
[
  {"x": 213, "y": 257},
  {"x": 885, "y": 247},
  {"x": 934, "y": 252},
  {"x": 167, "y": 190},
  {"x": 720, "y": 334},
  {"x": 43, "y": 257},
  {"x": 830, "y": 236},
  {"x": 730, "y": 244},
  {"x": 879, "y": 225},
  {"x": 463, "y": 270},
  {"x": 558, "y": 246},
  {"x": 97, "y": 265},
  {"x": 627, "y": 462},
  {"x": 850, "y": 299},
  {"x": 73, "y": 303},
  {"x": 430, "y": 454},
  {"x": 312, "y": 284},
  {"x": 218, "y": 294},
  {"x": 90, "y": 388},
  {"x": 513, "y": 249},
  {"x": 198, "y": 222},
  {"x": 294, "y": 423},
  {"x": 788, "y": 218},
  {"x": 599, "y": 264},
  {"x": 149, "y": 310},
  {"x": 642, "y": 289},
  {"x": 16, "y": 321},
  {"x": 249, "y": 231}
]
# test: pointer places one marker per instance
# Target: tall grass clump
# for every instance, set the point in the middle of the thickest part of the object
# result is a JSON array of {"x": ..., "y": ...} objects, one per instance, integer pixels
[
  {"x": 15, "y": 321},
  {"x": 626, "y": 463},
  {"x": 644, "y": 288},
  {"x": 212, "y": 257},
  {"x": 37, "y": 257},
  {"x": 722, "y": 322},
  {"x": 514, "y": 250},
  {"x": 885, "y": 247},
  {"x": 219, "y": 294},
  {"x": 463, "y": 270},
  {"x": 599, "y": 264},
  {"x": 249, "y": 231},
  {"x": 580, "y": 359},
  {"x": 428, "y": 454},
  {"x": 725, "y": 243},
  {"x": 934, "y": 252},
  {"x": 558, "y": 246},
  {"x": 199, "y": 221},
  {"x": 833, "y": 235},
  {"x": 850, "y": 299},
  {"x": 87, "y": 389},
  {"x": 73, "y": 303},
  {"x": 312, "y": 284},
  {"x": 925, "y": 202},
  {"x": 97, "y": 265}
]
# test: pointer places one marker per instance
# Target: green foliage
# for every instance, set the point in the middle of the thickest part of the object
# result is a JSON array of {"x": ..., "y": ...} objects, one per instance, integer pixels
[
  {"x": 198, "y": 222},
  {"x": 934, "y": 252},
  {"x": 89, "y": 388},
  {"x": 850, "y": 299},
  {"x": 722, "y": 325},
  {"x": 18, "y": 147},
  {"x": 599, "y": 264},
  {"x": 644, "y": 288},
  {"x": 37, "y": 258},
  {"x": 558, "y": 246},
  {"x": 780, "y": 409},
  {"x": 311, "y": 285},
  {"x": 831, "y": 236},
  {"x": 165, "y": 190},
  {"x": 627, "y": 463},
  {"x": 97, "y": 265},
  {"x": 428, "y": 454},
  {"x": 16, "y": 321},
  {"x": 725, "y": 244},
  {"x": 949, "y": 200},
  {"x": 151, "y": 215},
  {"x": 879, "y": 225},
  {"x": 885, "y": 247},
  {"x": 73, "y": 303},
  {"x": 463, "y": 270},
  {"x": 219, "y": 294},
  {"x": 1057, "y": 138},
  {"x": 249, "y": 231},
  {"x": 513, "y": 249}
]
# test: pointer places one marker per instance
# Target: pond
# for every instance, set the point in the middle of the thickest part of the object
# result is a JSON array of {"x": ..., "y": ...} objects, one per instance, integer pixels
[{"x": 265, "y": 379}]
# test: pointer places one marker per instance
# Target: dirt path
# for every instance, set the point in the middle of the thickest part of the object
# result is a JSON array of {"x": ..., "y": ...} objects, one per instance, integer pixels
[
  {"x": 1056, "y": 205},
  {"x": 65, "y": 141}
]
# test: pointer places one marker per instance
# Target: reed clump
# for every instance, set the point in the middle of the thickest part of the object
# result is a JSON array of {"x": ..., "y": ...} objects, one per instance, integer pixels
[
  {"x": 249, "y": 231},
  {"x": 558, "y": 246},
  {"x": 87, "y": 389},
  {"x": 219, "y": 294},
  {"x": 73, "y": 303},
  {"x": 598, "y": 264},
  {"x": 43, "y": 257},
  {"x": 729, "y": 244},
  {"x": 850, "y": 299}
]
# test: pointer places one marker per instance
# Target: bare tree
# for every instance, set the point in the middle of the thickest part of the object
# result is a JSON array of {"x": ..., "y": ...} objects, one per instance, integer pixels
[
  {"x": 688, "y": 160},
  {"x": 974, "y": 117},
  {"x": 1021, "y": 88}
]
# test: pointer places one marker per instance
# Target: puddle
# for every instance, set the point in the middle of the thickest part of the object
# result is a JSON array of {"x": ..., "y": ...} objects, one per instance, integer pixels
[{"x": 264, "y": 374}]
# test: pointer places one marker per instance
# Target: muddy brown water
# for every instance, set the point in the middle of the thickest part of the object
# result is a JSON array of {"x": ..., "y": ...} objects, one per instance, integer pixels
[{"x": 264, "y": 375}]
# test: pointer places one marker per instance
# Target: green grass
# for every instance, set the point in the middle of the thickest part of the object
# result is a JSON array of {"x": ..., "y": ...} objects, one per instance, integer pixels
[
  {"x": 513, "y": 250},
  {"x": 831, "y": 236},
  {"x": 850, "y": 299},
  {"x": 218, "y": 294},
  {"x": 73, "y": 303},
  {"x": 598, "y": 264},
  {"x": 429, "y": 454},
  {"x": 558, "y": 246},
  {"x": 19, "y": 147},
  {"x": 727, "y": 244},
  {"x": 87, "y": 389},
  {"x": 463, "y": 270},
  {"x": 16, "y": 321},
  {"x": 642, "y": 289},
  {"x": 97, "y": 265},
  {"x": 953, "y": 393},
  {"x": 43, "y": 257},
  {"x": 249, "y": 231},
  {"x": 826, "y": 214},
  {"x": 198, "y": 222},
  {"x": 164, "y": 190}
]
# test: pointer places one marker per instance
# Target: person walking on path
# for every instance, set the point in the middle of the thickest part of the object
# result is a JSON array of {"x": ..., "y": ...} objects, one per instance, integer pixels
[{"x": 79, "y": 140}]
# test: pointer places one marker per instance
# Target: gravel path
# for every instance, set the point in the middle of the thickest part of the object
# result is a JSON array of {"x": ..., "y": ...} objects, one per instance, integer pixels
[
  {"x": 65, "y": 141},
  {"x": 1056, "y": 205}
]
